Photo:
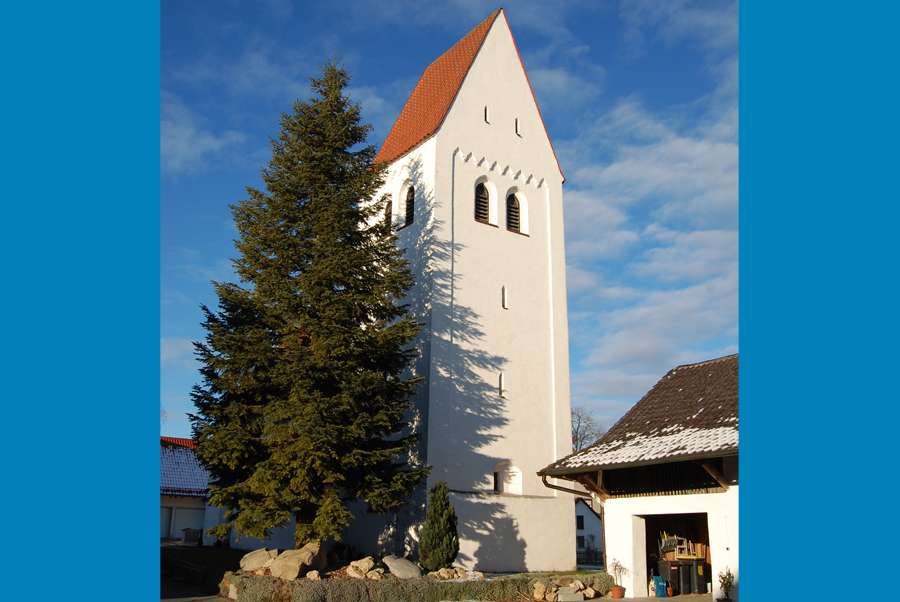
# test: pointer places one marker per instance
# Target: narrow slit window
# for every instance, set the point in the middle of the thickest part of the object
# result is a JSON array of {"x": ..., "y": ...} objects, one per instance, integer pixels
[
  {"x": 482, "y": 203},
  {"x": 497, "y": 487},
  {"x": 503, "y": 300},
  {"x": 410, "y": 205},
  {"x": 517, "y": 126},
  {"x": 388, "y": 210},
  {"x": 500, "y": 385},
  {"x": 512, "y": 213},
  {"x": 486, "y": 115}
]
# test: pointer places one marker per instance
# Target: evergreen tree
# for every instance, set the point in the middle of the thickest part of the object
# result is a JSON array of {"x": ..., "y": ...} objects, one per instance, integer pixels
[
  {"x": 301, "y": 410},
  {"x": 438, "y": 539}
]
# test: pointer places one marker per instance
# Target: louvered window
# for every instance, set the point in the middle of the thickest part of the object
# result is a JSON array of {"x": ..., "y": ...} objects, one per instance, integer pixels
[
  {"x": 512, "y": 213},
  {"x": 410, "y": 205},
  {"x": 482, "y": 203},
  {"x": 388, "y": 210}
]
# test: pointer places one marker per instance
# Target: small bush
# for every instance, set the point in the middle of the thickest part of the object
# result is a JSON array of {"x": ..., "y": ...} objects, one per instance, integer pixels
[{"x": 438, "y": 539}]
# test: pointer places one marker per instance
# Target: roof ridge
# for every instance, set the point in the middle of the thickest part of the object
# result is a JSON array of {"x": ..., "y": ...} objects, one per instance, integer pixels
[
  {"x": 423, "y": 114},
  {"x": 706, "y": 362}
]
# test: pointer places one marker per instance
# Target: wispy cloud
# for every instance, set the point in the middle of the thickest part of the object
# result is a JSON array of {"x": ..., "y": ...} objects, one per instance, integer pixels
[
  {"x": 177, "y": 352},
  {"x": 186, "y": 146}
]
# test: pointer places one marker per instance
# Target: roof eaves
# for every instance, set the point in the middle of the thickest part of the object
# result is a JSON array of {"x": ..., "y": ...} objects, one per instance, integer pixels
[{"x": 559, "y": 472}]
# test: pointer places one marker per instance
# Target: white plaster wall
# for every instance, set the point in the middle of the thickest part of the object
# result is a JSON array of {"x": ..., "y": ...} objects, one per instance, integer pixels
[
  {"x": 625, "y": 536},
  {"x": 187, "y": 516},
  {"x": 509, "y": 533},
  {"x": 592, "y": 526}
]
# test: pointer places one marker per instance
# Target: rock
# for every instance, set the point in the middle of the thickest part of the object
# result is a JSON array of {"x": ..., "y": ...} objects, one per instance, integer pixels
[
  {"x": 365, "y": 564},
  {"x": 461, "y": 573},
  {"x": 550, "y": 596},
  {"x": 402, "y": 568},
  {"x": 257, "y": 558},
  {"x": 264, "y": 568},
  {"x": 291, "y": 564},
  {"x": 478, "y": 574},
  {"x": 539, "y": 590},
  {"x": 313, "y": 576},
  {"x": 577, "y": 585},
  {"x": 355, "y": 572},
  {"x": 375, "y": 574},
  {"x": 589, "y": 593},
  {"x": 446, "y": 573}
]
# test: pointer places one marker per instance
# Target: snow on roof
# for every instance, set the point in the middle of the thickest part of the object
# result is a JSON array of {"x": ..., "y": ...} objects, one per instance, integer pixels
[
  {"x": 691, "y": 412},
  {"x": 180, "y": 473}
]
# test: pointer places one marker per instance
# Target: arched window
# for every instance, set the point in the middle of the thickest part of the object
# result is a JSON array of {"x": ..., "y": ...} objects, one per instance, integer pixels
[
  {"x": 388, "y": 210},
  {"x": 482, "y": 203},
  {"x": 512, "y": 213},
  {"x": 410, "y": 205},
  {"x": 507, "y": 478}
]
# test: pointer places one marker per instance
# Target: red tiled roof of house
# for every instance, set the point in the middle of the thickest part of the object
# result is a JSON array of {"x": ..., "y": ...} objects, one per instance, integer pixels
[
  {"x": 180, "y": 442},
  {"x": 432, "y": 97},
  {"x": 691, "y": 412}
]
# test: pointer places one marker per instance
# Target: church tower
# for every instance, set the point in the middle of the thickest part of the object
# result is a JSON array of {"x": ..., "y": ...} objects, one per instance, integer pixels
[{"x": 477, "y": 203}]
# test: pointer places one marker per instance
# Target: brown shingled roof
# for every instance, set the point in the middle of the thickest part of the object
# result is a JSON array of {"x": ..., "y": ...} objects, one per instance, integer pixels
[
  {"x": 429, "y": 102},
  {"x": 691, "y": 412}
]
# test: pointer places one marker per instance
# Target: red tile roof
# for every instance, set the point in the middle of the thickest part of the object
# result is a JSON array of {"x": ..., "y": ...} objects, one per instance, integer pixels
[
  {"x": 178, "y": 441},
  {"x": 432, "y": 97}
]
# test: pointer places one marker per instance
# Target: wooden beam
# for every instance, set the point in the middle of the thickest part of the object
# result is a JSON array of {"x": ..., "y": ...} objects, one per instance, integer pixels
[
  {"x": 595, "y": 486},
  {"x": 716, "y": 475}
]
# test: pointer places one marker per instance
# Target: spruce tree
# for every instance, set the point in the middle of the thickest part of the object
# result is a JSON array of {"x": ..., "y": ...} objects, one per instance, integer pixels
[
  {"x": 438, "y": 539},
  {"x": 301, "y": 410}
]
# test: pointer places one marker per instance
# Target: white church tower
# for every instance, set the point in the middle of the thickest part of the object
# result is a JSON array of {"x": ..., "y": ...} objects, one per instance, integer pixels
[{"x": 477, "y": 203}]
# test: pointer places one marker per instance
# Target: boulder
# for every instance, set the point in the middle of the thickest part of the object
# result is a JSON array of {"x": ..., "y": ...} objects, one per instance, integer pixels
[
  {"x": 313, "y": 576},
  {"x": 375, "y": 574},
  {"x": 295, "y": 563},
  {"x": 589, "y": 593},
  {"x": 446, "y": 573},
  {"x": 402, "y": 568},
  {"x": 365, "y": 565},
  {"x": 550, "y": 596},
  {"x": 355, "y": 572},
  {"x": 264, "y": 568},
  {"x": 478, "y": 574},
  {"x": 539, "y": 590},
  {"x": 461, "y": 573},
  {"x": 257, "y": 558},
  {"x": 577, "y": 585}
]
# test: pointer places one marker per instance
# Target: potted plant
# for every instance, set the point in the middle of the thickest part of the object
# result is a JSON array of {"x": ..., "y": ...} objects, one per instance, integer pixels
[
  {"x": 617, "y": 571},
  {"x": 726, "y": 582}
]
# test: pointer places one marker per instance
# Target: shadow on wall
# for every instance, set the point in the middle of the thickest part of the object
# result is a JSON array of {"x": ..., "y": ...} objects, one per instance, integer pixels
[
  {"x": 465, "y": 413},
  {"x": 500, "y": 549}
]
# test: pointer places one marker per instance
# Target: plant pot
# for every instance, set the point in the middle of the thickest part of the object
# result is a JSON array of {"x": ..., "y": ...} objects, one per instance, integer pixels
[{"x": 617, "y": 591}]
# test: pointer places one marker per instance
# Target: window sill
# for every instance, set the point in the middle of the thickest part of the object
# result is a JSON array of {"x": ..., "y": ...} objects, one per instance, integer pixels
[
  {"x": 517, "y": 232},
  {"x": 486, "y": 223}
]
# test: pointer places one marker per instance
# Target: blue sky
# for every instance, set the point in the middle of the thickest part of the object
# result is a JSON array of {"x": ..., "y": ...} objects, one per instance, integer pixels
[{"x": 640, "y": 100}]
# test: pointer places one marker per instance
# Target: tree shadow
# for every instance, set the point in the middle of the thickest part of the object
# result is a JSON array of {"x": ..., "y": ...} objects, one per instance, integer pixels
[{"x": 457, "y": 408}]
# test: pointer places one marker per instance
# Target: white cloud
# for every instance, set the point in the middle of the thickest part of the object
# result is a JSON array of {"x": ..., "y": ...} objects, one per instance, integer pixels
[
  {"x": 177, "y": 352},
  {"x": 186, "y": 147}
]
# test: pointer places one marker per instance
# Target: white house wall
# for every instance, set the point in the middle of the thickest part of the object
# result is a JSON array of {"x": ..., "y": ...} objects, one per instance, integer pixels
[
  {"x": 625, "y": 539},
  {"x": 177, "y": 513}
]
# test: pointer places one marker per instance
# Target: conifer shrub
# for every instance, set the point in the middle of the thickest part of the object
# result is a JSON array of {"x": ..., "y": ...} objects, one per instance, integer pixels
[{"x": 438, "y": 539}]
